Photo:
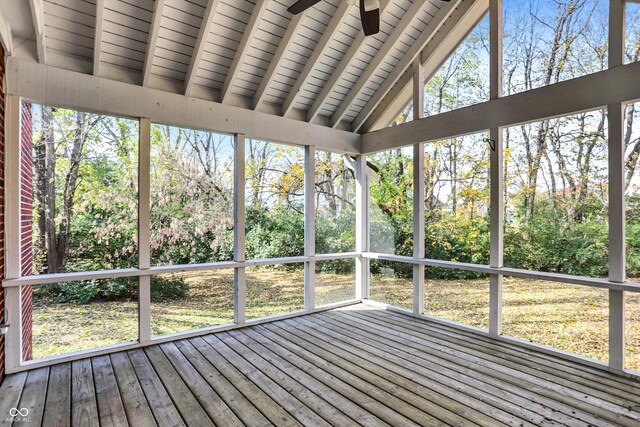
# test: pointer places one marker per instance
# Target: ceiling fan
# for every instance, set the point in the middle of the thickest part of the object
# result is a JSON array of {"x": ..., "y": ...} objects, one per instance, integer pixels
[{"x": 369, "y": 12}]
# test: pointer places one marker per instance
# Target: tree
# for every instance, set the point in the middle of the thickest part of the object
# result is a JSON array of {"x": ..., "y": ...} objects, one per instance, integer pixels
[{"x": 59, "y": 150}]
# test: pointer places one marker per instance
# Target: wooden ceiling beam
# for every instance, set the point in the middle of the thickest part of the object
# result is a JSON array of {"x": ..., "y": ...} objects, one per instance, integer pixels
[
  {"x": 151, "y": 44},
  {"x": 444, "y": 43},
  {"x": 342, "y": 66},
  {"x": 245, "y": 43},
  {"x": 434, "y": 25},
  {"x": 388, "y": 45},
  {"x": 336, "y": 21},
  {"x": 586, "y": 93},
  {"x": 203, "y": 35},
  {"x": 68, "y": 89},
  {"x": 274, "y": 64},
  {"x": 37, "y": 14},
  {"x": 97, "y": 39}
]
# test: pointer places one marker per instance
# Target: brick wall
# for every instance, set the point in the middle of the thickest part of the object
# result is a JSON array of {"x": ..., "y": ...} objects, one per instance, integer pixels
[
  {"x": 26, "y": 229},
  {"x": 26, "y": 220},
  {"x": 2, "y": 320}
]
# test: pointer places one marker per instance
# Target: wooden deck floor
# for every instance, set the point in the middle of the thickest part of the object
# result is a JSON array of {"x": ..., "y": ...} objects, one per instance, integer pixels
[{"x": 353, "y": 366}]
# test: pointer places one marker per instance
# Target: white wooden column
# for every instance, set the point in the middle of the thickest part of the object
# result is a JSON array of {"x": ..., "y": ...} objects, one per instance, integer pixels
[
  {"x": 496, "y": 210},
  {"x": 362, "y": 227},
  {"x": 12, "y": 253},
  {"x": 144, "y": 229},
  {"x": 239, "y": 276},
  {"x": 617, "y": 267},
  {"x": 309, "y": 226},
  {"x": 418, "y": 191}
]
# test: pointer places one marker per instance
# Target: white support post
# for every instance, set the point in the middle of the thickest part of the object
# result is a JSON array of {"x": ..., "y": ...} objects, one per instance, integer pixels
[
  {"x": 496, "y": 213},
  {"x": 309, "y": 226},
  {"x": 496, "y": 210},
  {"x": 362, "y": 227},
  {"x": 418, "y": 191},
  {"x": 13, "y": 300},
  {"x": 418, "y": 227},
  {"x": 239, "y": 280},
  {"x": 617, "y": 267},
  {"x": 144, "y": 230}
]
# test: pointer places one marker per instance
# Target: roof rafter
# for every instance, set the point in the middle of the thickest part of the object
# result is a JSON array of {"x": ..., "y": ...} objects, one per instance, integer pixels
[
  {"x": 203, "y": 35},
  {"x": 461, "y": 22},
  {"x": 151, "y": 44},
  {"x": 97, "y": 39},
  {"x": 274, "y": 64},
  {"x": 321, "y": 47},
  {"x": 37, "y": 14},
  {"x": 252, "y": 26},
  {"x": 388, "y": 45},
  {"x": 409, "y": 57},
  {"x": 344, "y": 63},
  {"x": 6, "y": 38}
]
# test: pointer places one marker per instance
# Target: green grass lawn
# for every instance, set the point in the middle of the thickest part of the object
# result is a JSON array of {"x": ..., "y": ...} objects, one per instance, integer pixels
[{"x": 568, "y": 317}]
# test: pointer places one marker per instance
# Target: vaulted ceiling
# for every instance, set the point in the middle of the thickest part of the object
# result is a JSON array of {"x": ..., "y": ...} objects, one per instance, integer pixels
[{"x": 316, "y": 67}]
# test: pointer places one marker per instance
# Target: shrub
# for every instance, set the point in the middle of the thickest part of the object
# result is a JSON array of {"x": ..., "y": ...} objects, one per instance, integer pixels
[
  {"x": 275, "y": 234},
  {"x": 86, "y": 291},
  {"x": 168, "y": 287}
]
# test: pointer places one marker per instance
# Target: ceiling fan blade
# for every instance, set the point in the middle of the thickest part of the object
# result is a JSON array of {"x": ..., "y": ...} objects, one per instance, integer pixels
[
  {"x": 370, "y": 16},
  {"x": 301, "y": 6}
]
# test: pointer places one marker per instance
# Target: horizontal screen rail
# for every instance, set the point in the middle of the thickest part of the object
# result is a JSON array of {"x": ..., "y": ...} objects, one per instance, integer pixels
[
  {"x": 165, "y": 269},
  {"x": 513, "y": 272}
]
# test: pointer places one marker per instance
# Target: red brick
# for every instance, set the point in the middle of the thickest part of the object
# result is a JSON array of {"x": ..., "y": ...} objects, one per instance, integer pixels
[
  {"x": 2, "y": 320},
  {"x": 26, "y": 217}
]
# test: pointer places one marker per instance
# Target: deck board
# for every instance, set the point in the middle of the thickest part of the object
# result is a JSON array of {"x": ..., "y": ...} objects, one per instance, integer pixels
[
  {"x": 590, "y": 399},
  {"x": 34, "y": 394},
  {"x": 84, "y": 408},
  {"x": 501, "y": 394},
  {"x": 357, "y": 365},
  {"x": 110, "y": 407},
  {"x": 133, "y": 399},
  {"x": 57, "y": 407}
]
